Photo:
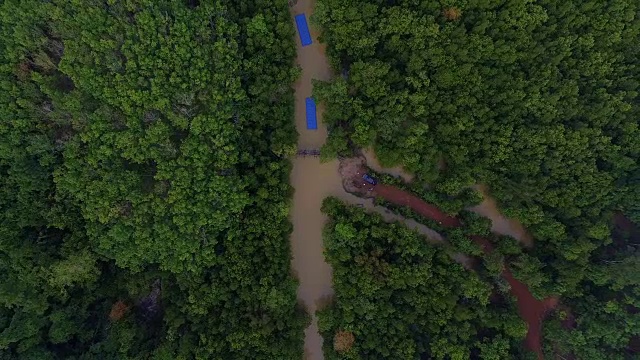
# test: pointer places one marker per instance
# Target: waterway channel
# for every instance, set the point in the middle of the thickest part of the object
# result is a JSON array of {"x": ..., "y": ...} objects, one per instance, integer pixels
[{"x": 313, "y": 181}]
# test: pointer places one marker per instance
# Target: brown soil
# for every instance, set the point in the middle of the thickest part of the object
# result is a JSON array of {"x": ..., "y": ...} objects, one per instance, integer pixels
[
  {"x": 351, "y": 171},
  {"x": 530, "y": 309},
  {"x": 343, "y": 341}
]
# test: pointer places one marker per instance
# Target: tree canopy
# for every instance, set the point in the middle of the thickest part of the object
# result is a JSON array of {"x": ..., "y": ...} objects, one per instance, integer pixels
[
  {"x": 144, "y": 181},
  {"x": 538, "y": 100}
]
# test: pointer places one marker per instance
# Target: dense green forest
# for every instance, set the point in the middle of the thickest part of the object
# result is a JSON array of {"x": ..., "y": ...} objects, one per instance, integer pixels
[
  {"x": 536, "y": 99},
  {"x": 144, "y": 183},
  {"x": 399, "y": 297},
  {"x": 604, "y": 323},
  {"x": 144, "y": 175}
]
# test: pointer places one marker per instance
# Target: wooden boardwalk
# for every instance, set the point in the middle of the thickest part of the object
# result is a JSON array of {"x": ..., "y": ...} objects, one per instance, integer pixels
[{"x": 308, "y": 152}]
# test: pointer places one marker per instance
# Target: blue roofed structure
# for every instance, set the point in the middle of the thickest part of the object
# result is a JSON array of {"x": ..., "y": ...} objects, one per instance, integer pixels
[
  {"x": 312, "y": 121},
  {"x": 303, "y": 29}
]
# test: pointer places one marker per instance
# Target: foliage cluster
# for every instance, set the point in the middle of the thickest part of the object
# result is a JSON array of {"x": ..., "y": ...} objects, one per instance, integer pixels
[
  {"x": 538, "y": 104},
  {"x": 604, "y": 324},
  {"x": 144, "y": 181},
  {"x": 536, "y": 99},
  {"x": 403, "y": 298}
]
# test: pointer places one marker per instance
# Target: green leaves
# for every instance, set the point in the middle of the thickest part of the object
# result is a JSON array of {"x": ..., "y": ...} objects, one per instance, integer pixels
[
  {"x": 402, "y": 298},
  {"x": 137, "y": 165},
  {"x": 77, "y": 268}
]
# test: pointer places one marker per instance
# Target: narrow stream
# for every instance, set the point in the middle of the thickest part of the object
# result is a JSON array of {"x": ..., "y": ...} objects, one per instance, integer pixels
[
  {"x": 488, "y": 208},
  {"x": 312, "y": 182},
  {"x": 530, "y": 309}
]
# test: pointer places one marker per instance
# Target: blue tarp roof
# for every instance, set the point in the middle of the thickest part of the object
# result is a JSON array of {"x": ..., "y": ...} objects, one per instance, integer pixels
[
  {"x": 303, "y": 30},
  {"x": 312, "y": 121}
]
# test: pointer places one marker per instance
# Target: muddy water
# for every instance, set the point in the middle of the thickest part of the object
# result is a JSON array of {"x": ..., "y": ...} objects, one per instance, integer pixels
[
  {"x": 501, "y": 224},
  {"x": 315, "y": 65},
  {"x": 531, "y": 310},
  {"x": 313, "y": 182},
  {"x": 404, "y": 198}
]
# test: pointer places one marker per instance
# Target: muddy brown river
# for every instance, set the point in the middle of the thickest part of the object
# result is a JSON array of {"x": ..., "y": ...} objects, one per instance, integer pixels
[
  {"x": 314, "y": 181},
  {"x": 488, "y": 208}
]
